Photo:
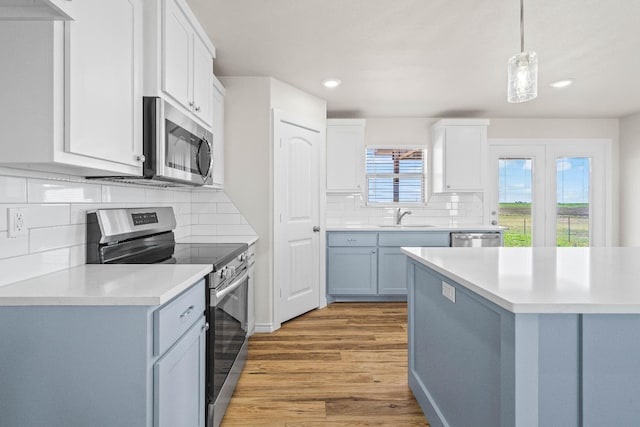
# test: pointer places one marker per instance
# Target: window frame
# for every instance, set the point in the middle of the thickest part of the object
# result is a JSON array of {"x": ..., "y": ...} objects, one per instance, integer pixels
[{"x": 425, "y": 172}]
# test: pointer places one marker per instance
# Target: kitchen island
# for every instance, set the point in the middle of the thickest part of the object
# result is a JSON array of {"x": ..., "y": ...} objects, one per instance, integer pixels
[{"x": 525, "y": 336}]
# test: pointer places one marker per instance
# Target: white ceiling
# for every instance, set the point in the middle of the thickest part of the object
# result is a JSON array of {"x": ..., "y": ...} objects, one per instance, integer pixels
[{"x": 434, "y": 58}]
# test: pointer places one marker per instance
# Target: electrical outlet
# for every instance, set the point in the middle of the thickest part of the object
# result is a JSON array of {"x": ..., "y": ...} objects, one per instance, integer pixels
[
  {"x": 17, "y": 222},
  {"x": 449, "y": 292}
]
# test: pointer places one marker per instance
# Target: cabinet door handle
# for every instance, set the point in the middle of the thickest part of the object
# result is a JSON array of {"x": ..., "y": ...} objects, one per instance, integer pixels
[
  {"x": 187, "y": 311},
  {"x": 141, "y": 158},
  {"x": 205, "y": 327},
  {"x": 191, "y": 103},
  {"x": 316, "y": 229},
  {"x": 197, "y": 109}
]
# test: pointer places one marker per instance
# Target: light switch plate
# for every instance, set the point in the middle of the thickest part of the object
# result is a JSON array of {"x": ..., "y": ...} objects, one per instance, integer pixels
[{"x": 449, "y": 292}]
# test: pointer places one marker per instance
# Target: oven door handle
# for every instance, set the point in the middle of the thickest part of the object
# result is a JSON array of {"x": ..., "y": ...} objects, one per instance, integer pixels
[{"x": 217, "y": 296}]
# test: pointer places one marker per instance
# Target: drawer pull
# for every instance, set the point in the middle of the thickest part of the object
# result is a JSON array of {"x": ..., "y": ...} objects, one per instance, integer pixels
[{"x": 187, "y": 311}]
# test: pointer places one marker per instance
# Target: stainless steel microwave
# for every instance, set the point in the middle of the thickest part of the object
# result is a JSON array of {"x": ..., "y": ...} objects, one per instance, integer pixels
[{"x": 176, "y": 148}]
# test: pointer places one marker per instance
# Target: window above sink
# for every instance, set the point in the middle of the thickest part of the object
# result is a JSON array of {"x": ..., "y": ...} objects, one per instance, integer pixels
[{"x": 395, "y": 175}]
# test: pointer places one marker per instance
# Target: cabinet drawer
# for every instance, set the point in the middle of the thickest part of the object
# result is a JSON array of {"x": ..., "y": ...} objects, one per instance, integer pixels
[
  {"x": 353, "y": 239},
  {"x": 406, "y": 238},
  {"x": 174, "y": 318}
]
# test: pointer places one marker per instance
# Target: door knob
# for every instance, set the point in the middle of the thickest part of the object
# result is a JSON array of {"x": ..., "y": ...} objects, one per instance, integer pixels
[
  {"x": 494, "y": 222},
  {"x": 316, "y": 229}
]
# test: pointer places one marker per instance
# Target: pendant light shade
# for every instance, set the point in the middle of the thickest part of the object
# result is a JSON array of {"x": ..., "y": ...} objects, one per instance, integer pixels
[
  {"x": 523, "y": 77},
  {"x": 523, "y": 70}
]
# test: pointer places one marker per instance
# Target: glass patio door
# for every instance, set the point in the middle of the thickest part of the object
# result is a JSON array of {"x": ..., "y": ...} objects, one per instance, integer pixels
[
  {"x": 517, "y": 176},
  {"x": 549, "y": 194}
]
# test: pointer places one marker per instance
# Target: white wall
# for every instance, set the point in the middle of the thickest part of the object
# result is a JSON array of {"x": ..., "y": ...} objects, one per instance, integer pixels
[
  {"x": 249, "y": 164},
  {"x": 630, "y": 180}
]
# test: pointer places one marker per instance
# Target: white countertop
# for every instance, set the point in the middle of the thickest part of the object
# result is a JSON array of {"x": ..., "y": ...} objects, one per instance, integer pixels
[
  {"x": 372, "y": 227},
  {"x": 543, "y": 280},
  {"x": 100, "y": 284},
  {"x": 249, "y": 240}
]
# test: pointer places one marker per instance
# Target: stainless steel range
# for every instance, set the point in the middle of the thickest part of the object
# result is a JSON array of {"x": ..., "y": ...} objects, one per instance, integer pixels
[{"x": 145, "y": 236}]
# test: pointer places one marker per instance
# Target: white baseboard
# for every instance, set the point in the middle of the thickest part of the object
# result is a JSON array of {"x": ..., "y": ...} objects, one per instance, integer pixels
[{"x": 265, "y": 328}]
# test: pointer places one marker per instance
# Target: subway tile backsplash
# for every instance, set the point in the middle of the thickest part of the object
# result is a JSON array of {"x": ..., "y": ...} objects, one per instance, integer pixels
[
  {"x": 442, "y": 209},
  {"x": 56, "y": 207}
]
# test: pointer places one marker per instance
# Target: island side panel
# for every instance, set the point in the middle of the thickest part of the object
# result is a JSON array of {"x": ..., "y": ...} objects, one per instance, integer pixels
[
  {"x": 611, "y": 370},
  {"x": 559, "y": 364},
  {"x": 456, "y": 367}
]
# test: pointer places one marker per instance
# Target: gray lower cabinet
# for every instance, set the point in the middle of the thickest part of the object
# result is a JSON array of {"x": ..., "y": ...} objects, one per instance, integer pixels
[
  {"x": 179, "y": 378},
  {"x": 104, "y": 366},
  {"x": 353, "y": 271},
  {"x": 370, "y": 264}
]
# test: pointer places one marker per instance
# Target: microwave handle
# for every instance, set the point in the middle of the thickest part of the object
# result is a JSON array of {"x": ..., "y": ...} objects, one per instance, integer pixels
[{"x": 206, "y": 173}]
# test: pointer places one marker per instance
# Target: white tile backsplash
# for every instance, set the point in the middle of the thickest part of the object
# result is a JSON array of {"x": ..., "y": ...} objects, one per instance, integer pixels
[
  {"x": 42, "y": 239},
  {"x": 49, "y": 191},
  {"x": 13, "y": 190},
  {"x": 13, "y": 246},
  {"x": 119, "y": 194},
  {"x": 32, "y": 265},
  {"x": 57, "y": 206},
  {"x": 444, "y": 209},
  {"x": 48, "y": 215}
]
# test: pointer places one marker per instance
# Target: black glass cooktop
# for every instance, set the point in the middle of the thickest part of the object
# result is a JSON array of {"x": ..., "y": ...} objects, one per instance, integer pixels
[{"x": 218, "y": 254}]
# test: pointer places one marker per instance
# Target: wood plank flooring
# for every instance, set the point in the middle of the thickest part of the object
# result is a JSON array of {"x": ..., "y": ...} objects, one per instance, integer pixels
[{"x": 344, "y": 365}]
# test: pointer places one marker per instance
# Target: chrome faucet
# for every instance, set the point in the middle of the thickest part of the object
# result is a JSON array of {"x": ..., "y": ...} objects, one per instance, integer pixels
[{"x": 400, "y": 215}]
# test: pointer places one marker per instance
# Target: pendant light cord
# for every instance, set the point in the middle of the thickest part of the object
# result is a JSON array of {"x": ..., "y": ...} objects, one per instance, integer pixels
[{"x": 521, "y": 26}]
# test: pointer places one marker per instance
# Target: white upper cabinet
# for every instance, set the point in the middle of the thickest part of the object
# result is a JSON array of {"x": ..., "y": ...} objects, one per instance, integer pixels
[
  {"x": 459, "y": 155},
  {"x": 218, "y": 134},
  {"x": 345, "y": 155},
  {"x": 178, "y": 58},
  {"x": 74, "y": 101},
  {"x": 104, "y": 81},
  {"x": 44, "y": 10}
]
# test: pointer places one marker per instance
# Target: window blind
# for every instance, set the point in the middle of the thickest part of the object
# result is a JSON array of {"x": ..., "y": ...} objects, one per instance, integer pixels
[{"x": 395, "y": 175}]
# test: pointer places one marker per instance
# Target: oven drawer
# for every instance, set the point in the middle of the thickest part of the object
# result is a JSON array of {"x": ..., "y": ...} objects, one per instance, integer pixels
[{"x": 174, "y": 318}]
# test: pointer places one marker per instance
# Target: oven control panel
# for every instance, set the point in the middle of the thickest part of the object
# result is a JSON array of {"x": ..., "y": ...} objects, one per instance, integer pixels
[{"x": 144, "y": 218}]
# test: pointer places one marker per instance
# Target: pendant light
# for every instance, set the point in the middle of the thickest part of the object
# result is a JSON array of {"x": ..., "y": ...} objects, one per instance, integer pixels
[{"x": 523, "y": 70}]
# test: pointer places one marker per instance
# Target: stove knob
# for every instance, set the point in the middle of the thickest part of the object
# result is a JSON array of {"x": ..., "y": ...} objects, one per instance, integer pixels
[
  {"x": 233, "y": 270},
  {"x": 243, "y": 257},
  {"x": 223, "y": 273}
]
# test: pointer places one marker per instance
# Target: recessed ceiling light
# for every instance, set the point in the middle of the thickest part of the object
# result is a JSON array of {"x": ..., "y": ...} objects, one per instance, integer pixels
[
  {"x": 331, "y": 83},
  {"x": 561, "y": 83}
]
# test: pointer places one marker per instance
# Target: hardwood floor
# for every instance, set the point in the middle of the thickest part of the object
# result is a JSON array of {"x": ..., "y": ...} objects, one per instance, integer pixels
[{"x": 345, "y": 365}]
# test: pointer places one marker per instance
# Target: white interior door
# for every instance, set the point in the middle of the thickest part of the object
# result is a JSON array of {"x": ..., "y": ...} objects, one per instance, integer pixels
[{"x": 297, "y": 217}]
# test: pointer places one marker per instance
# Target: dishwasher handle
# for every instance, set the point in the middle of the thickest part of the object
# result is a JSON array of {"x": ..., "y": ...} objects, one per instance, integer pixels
[{"x": 476, "y": 240}]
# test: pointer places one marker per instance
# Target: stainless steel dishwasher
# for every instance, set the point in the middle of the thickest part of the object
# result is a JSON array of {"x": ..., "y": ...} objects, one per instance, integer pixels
[{"x": 476, "y": 240}]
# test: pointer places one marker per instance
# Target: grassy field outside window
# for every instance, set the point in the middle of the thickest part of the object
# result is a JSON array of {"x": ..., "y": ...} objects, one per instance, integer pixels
[{"x": 572, "y": 224}]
